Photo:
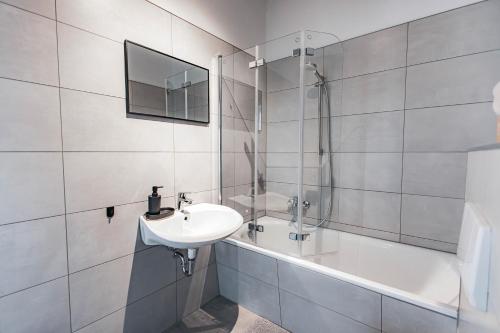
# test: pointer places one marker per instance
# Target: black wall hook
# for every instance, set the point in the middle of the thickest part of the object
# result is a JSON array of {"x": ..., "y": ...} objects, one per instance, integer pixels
[{"x": 110, "y": 212}]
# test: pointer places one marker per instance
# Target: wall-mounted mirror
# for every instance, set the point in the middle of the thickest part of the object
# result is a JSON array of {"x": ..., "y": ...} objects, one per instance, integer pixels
[{"x": 163, "y": 86}]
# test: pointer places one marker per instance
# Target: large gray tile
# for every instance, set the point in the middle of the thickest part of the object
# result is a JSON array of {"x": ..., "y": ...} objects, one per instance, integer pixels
[
  {"x": 94, "y": 239},
  {"x": 429, "y": 243},
  {"x": 245, "y": 166},
  {"x": 195, "y": 291},
  {"x": 251, "y": 263},
  {"x": 374, "y": 52},
  {"x": 98, "y": 123},
  {"x": 97, "y": 179},
  {"x": 255, "y": 295},
  {"x": 31, "y": 253},
  {"x": 458, "y": 32},
  {"x": 190, "y": 137},
  {"x": 195, "y": 45},
  {"x": 342, "y": 297},
  {"x": 384, "y": 91},
  {"x": 228, "y": 169},
  {"x": 42, "y": 7},
  {"x": 283, "y": 74},
  {"x": 301, "y": 316},
  {"x": 28, "y": 46},
  {"x": 30, "y": 118},
  {"x": 460, "y": 80},
  {"x": 103, "y": 289},
  {"x": 90, "y": 63},
  {"x": 375, "y": 210},
  {"x": 449, "y": 128},
  {"x": 362, "y": 231},
  {"x": 44, "y": 308},
  {"x": 244, "y": 101},
  {"x": 438, "y": 174},
  {"x": 135, "y": 20},
  {"x": 431, "y": 217},
  {"x": 152, "y": 314},
  {"x": 228, "y": 134},
  {"x": 283, "y": 105},
  {"x": 193, "y": 172},
  {"x": 278, "y": 194},
  {"x": 243, "y": 135},
  {"x": 370, "y": 171},
  {"x": 401, "y": 317},
  {"x": 333, "y": 61},
  {"x": 282, "y": 137},
  {"x": 378, "y": 132},
  {"x": 26, "y": 179}
]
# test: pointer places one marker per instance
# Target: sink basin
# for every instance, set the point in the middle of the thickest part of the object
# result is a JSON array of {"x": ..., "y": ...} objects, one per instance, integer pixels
[{"x": 195, "y": 226}]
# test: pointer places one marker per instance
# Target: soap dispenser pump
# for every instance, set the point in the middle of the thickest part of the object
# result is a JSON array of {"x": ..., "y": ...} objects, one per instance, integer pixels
[{"x": 154, "y": 201}]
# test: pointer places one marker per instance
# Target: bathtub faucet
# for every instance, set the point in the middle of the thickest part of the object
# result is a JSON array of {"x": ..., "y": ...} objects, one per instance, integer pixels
[{"x": 293, "y": 204}]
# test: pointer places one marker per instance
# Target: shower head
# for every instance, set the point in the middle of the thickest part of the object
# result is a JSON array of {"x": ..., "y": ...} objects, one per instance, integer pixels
[{"x": 309, "y": 66}]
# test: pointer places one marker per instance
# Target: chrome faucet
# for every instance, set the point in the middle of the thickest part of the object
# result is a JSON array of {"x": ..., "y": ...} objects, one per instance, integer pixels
[
  {"x": 293, "y": 204},
  {"x": 182, "y": 198}
]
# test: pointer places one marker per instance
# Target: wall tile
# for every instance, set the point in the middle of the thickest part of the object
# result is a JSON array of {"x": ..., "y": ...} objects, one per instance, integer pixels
[
  {"x": 301, "y": 316},
  {"x": 380, "y": 132},
  {"x": 449, "y": 128},
  {"x": 192, "y": 44},
  {"x": 42, "y": 7},
  {"x": 94, "y": 239},
  {"x": 228, "y": 134},
  {"x": 384, "y": 91},
  {"x": 99, "y": 123},
  {"x": 394, "y": 237},
  {"x": 102, "y": 289},
  {"x": 429, "y": 243},
  {"x": 195, "y": 291},
  {"x": 136, "y": 20},
  {"x": 333, "y": 61},
  {"x": 255, "y": 295},
  {"x": 243, "y": 135},
  {"x": 370, "y": 171},
  {"x": 344, "y": 298},
  {"x": 458, "y": 32},
  {"x": 244, "y": 101},
  {"x": 192, "y": 137},
  {"x": 32, "y": 123},
  {"x": 228, "y": 169},
  {"x": 244, "y": 171},
  {"x": 90, "y": 63},
  {"x": 193, "y": 172},
  {"x": 282, "y": 137},
  {"x": 283, "y": 74},
  {"x": 467, "y": 79},
  {"x": 283, "y": 105},
  {"x": 399, "y": 317},
  {"x": 375, "y": 210},
  {"x": 44, "y": 308},
  {"x": 431, "y": 217},
  {"x": 27, "y": 178},
  {"x": 438, "y": 174},
  {"x": 28, "y": 46},
  {"x": 375, "y": 52},
  {"x": 249, "y": 262},
  {"x": 31, "y": 253},
  {"x": 153, "y": 313},
  {"x": 97, "y": 180}
]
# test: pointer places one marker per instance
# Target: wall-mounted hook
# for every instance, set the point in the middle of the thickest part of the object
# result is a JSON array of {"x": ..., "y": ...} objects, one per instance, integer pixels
[{"x": 110, "y": 212}]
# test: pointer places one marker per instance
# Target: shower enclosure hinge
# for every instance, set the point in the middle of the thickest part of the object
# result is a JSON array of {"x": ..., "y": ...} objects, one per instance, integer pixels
[
  {"x": 256, "y": 63},
  {"x": 309, "y": 52},
  {"x": 186, "y": 84},
  {"x": 295, "y": 236}
]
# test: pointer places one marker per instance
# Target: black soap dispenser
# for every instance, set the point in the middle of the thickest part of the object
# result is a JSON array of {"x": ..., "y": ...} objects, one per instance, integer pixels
[{"x": 154, "y": 201}]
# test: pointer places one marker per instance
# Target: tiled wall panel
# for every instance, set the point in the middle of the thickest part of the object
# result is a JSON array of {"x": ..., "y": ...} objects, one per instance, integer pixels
[{"x": 68, "y": 150}]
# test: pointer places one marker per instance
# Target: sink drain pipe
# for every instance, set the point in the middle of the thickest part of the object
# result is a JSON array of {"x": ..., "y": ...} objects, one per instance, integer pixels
[{"x": 187, "y": 264}]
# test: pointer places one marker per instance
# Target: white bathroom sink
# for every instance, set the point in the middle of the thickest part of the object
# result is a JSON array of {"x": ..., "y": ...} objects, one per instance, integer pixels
[{"x": 195, "y": 226}]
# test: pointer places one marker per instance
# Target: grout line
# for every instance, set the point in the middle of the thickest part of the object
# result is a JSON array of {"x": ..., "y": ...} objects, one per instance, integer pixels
[
  {"x": 27, "y": 10},
  {"x": 453, "y": 57},
  {"x": 63, "y": 170},
  {"x": 33, "y": 286},
  {"x": 403, "y": 136}
]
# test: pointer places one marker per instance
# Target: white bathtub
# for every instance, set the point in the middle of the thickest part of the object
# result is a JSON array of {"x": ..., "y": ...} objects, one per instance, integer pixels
[{"x": 419, "y": 276}]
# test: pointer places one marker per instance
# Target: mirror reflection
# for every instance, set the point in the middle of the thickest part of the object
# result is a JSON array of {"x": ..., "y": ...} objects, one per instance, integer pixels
[{"x": 163, "y": 86}]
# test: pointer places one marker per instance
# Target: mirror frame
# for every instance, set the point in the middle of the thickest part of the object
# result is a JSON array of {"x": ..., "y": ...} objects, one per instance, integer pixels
[{"x": 127, "y": 97}]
